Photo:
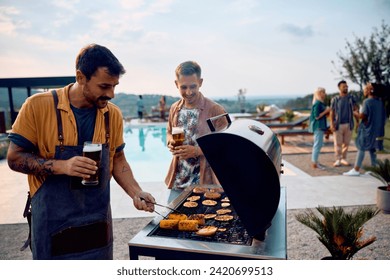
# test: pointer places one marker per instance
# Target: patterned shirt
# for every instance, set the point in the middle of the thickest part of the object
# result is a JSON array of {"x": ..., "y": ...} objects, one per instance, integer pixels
[{"x": 188, "y": 169}]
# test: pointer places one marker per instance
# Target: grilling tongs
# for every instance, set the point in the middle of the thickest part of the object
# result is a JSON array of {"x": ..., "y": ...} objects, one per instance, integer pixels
[{"x": 155, "y": 203}]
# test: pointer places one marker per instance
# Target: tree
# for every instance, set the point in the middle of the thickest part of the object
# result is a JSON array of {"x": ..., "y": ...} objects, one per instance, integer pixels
[{"x": 367, "y": 60}]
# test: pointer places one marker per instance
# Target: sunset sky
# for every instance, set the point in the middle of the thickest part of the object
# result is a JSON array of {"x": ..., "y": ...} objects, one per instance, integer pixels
[{"x": 267, "y": 47}]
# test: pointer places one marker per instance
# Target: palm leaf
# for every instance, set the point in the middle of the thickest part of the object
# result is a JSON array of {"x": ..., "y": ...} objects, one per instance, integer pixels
[
  {"x": 339, "y": 231},
  {"x": 381, "y": 171}
]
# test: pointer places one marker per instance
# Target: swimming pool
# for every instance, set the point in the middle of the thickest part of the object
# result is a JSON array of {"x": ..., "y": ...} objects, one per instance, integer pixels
[{"x": 147, "y": 153}]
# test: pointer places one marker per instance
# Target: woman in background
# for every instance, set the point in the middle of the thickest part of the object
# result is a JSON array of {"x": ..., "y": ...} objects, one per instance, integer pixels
[{"x": 318, "y": 124}]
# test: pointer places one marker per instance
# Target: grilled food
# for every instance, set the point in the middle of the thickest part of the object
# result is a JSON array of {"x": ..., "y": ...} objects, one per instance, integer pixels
[
  {"x": 209, "y": 202},
  {"x": 223, "y": 211},
  {"x": 190, "y": 204},
  {"x": 188, "y": 225},
  {"x": 207, "y": 231},
  {"x": 177, "y": 216},
  {"x": 212, "y": 195},
  {"x": 210, "y": 216},
  {"x": 200, "y": 190},
  {"x": 198, "y": 217},
  {"x": 225, "y": 204},
  {"x": 193, "y": 198},
  {"x": 169, "y": 224},
  {"x": 224, "y": 218}
]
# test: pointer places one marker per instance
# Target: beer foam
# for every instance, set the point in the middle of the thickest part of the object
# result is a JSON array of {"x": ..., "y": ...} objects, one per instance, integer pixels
[
  {"x": 177, "y": 130},
  {"x": 92, "y": 148}
]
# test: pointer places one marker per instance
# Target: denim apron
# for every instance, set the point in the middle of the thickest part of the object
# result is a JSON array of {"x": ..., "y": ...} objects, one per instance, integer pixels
[{"x": 69, "y": 220}]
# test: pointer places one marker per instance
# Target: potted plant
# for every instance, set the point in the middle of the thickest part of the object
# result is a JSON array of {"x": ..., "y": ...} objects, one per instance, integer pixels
[
  {"x": 340, "y": 232},
  {"x": 260, "y": 108},
  {"x": 289, "y": 115},
  {"x": 381, "y": 171}
]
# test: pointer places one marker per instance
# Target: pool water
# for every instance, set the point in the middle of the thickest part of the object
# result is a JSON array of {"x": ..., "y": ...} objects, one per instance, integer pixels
[{"x": 147, "y": 153}]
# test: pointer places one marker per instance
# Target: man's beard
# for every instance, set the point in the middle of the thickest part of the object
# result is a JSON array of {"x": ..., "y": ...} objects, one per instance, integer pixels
[{"x": 100, "y": 102}]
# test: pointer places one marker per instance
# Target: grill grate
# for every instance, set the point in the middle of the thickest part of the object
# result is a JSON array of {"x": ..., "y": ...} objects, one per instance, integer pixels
[{"x": 235, "y": 232}]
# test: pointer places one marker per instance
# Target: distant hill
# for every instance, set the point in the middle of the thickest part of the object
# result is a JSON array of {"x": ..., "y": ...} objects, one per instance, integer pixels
[{"x": 127, "y": 102}]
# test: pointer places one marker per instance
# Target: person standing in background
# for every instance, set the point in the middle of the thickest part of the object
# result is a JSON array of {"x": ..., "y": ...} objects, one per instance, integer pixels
[
  {"x": 188, "y": 165},
  {"x": 140, "y": 107},
  {"x": 343, "y": 109},
  {"x": 371, "y": 127},
  {"x": 318, "y": 124},
  {"x": 162, "y": 107}
]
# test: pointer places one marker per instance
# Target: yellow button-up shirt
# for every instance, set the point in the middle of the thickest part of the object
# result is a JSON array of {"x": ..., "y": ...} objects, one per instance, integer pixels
[{"x": 37, "y": 122}]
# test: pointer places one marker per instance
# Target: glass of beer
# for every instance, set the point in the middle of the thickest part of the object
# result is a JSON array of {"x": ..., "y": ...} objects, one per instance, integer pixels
[
  {"x": 178, "y": 135},
  {"x": 93, "y": 151}
]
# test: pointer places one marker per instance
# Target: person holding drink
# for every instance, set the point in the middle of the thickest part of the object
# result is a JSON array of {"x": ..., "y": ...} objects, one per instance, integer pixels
[
  {"x": 177, "y": 136},
  {"x": 187, "y": 119},
  {"x": 70, "y": 215},
  {"x": 93, "y": 151}
]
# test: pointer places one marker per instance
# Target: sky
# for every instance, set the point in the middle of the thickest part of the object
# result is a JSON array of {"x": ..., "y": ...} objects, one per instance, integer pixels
[{"x": 267, "y": 47}]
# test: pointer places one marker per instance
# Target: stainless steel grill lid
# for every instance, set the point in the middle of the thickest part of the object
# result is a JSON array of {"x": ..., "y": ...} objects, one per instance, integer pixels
[{"x": 246, "y": 158}]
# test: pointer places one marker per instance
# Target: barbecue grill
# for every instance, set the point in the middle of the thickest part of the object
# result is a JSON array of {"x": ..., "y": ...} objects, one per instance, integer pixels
[{"x": 246, "y": 158}]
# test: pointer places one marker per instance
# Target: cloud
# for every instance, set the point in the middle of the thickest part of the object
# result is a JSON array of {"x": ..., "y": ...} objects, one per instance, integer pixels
[
  {"x": 161, "y": 6},
  {"x": 7, "y": 10},
  {"x": 131, "y": 4},
  {"x": 46, "y": 43},
  {"x": 70, "y": 5},
  {"x": 249, "y": 21},
  {"x": 243, "y": 6},
  {"x": 154, "y": 38},
  {"x": 8, "y": 25},
  {"x": 128, "y": 20},
  {"x": 297, "y": 31}
]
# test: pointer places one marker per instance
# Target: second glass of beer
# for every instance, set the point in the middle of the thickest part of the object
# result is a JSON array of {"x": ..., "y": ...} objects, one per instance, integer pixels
[
  {"x": 93, "y": 151},
  {"x": 178, "y": 135}
]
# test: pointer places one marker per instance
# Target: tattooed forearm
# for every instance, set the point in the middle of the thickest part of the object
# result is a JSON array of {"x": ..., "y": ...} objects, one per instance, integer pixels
[
  {"x": 27, "y": 162},
  {"x": 32, "y": 164},
  {"x": 125, "y": 168},
  {"x": 120, "y": 162}
]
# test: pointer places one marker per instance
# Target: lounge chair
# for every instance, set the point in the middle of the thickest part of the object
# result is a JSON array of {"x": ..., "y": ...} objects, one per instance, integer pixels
[
  {"x": 277, "y": 116},
  {"x": 295, "y": 132},
  {"x": 289, "y": 125},
  {"x": 251, "y": 116}
]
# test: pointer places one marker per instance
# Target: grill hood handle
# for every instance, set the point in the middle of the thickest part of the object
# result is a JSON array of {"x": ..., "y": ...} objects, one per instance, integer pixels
[{"x": 210, "y": 121}]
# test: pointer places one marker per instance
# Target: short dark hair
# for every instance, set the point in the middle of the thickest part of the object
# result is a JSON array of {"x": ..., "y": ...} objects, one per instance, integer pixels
[
  {"x": 94, "y": 56},
  {"x": 379, "y": 90},
  {"x": 188, "y": 68},
  {"x": 341, "y": 82}
]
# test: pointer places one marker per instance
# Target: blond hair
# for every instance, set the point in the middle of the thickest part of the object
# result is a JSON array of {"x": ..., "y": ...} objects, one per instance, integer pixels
[{"x": 317, "y": 96}]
